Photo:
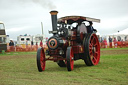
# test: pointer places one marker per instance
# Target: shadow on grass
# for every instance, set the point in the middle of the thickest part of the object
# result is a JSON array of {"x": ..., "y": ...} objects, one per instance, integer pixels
[
  {"x": 56, "y": 68},
  {"x": 78, "y": 65}
]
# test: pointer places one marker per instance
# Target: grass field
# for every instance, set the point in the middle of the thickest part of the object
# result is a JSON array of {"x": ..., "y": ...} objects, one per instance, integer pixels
[{"x": 20, "y": 69}]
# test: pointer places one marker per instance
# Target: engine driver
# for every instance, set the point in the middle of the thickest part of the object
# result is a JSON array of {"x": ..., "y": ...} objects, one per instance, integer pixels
[{"x": 90, "y": 28}]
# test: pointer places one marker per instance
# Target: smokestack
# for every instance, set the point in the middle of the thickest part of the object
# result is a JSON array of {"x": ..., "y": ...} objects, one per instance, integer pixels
[{"x": 54, "y": 20}]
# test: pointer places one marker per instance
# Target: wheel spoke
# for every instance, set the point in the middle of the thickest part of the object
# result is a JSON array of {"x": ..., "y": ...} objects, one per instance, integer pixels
[
  {"x": 95, "y": 44},
  {"x": 94, "y": 59},
  {"x": 92, "y": 39},
  {"x": 41, "y": 56},
  {"x": 96, "y": 52},
  {"x": 90, "y": 48},
  {"x": 41, "y": 59},
  {"x": 90, "y": 45},
  {"x": 91, "y": 53}
]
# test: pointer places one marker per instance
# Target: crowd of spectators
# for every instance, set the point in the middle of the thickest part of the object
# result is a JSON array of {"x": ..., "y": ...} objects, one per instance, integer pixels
[
  {"x": 112, "y": 43},
  {"x": 26, "y": 47}
]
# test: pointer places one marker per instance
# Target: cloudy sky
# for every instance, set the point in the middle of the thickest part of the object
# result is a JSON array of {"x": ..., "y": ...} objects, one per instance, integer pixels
[{"x": 25, "y": 16}]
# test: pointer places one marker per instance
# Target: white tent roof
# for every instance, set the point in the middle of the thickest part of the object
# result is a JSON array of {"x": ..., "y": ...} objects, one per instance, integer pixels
[{"x": 123, "y": 32}]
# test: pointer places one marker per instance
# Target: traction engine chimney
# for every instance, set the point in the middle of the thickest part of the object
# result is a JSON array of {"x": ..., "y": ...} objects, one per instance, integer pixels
[{"x": 54, "y": 21}]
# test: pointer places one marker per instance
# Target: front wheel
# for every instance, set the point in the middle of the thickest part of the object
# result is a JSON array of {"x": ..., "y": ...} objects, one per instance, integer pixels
[
  {"x": 70, "y": 59},
  {"x": 40, "y": 59}
]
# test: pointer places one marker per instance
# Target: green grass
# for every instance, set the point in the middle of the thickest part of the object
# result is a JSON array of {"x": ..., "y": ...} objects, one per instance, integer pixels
[
  {"x": 114, "y": 49},
  {"x": 16, "y": 53},
  {"x": 21, "y": 69}
]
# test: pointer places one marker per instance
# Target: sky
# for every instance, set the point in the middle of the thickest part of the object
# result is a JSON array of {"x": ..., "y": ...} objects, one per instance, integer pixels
[{"x": 25, "y": 16}]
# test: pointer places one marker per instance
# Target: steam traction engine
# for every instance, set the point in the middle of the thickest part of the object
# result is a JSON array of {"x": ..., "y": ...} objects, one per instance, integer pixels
[{"x": 70, "y": 43}]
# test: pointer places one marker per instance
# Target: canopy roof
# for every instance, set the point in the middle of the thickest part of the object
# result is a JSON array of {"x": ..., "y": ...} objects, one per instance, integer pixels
[{"x": 72, "y": 19}]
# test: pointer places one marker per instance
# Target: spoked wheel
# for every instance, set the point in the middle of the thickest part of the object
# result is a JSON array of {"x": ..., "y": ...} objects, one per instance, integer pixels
[
  {"x": 40, "y": 59},
  {"x": 92, "y": 49},
  {"x": 61, "y": 63},
  {"x": 70, "y": 59}
]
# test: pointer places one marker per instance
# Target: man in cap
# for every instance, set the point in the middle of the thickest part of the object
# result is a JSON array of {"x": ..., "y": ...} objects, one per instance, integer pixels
[{"x": 90, "y": 28}]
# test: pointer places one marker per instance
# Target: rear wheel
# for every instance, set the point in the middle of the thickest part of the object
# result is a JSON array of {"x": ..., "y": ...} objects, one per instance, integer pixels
[
  {"x": 40, "y": 59},
  {"x": 92, "y": 50},
  {"x": 70, "y": 59}
]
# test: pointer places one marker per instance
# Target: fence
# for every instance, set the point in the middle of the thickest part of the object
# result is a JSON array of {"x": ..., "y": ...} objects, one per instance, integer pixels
[
  {"x": 24, "y": 48},
  {"x": 118, "y": 44}
]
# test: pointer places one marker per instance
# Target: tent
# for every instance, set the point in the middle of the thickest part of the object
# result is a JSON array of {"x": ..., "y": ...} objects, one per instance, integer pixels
[
  {"x": 123, "y": 32},
  {"x": 122, "y": 35}
]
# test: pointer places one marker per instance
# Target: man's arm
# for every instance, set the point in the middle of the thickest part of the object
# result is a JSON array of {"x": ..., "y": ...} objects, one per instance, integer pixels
[{"x": 94, "y": 30}]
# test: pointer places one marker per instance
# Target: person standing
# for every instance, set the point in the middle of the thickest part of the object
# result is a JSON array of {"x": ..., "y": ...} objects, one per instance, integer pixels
[
  {"x": 90, "y": 28},
  {"x": 41, "y": 44},
  {"x": 110, "y": 42},
  {"x": 31, "y": 45},
  {"x": 115, "y": 42},
  {"x": 105, "y": 43},
  {"x": 11, "y": 44},
  {"x": 36, "y": 45}
]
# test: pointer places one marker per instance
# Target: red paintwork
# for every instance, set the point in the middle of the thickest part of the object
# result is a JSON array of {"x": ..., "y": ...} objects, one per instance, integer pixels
[
  {"x": 73, "y": 36},
  {"x": 42, "y": 59},
  {"x": 71, "y": 58},
  {"x": 94, "y": 49},
  {"x": 55, "y": 55},
  {"x": 72, "y": 42},
  {"x": 55, "y": 58},
  {"x": 54, "y": 45},
  {"x": 66, "y": 43},
  {"x": 78, "y": 49}
]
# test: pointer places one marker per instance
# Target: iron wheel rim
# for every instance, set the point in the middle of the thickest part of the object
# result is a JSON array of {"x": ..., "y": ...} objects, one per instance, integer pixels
[
  {"x": 94, "y": 49},
  {"x": 70, "y": 59},
  {"x": 41, "y": 59}
]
